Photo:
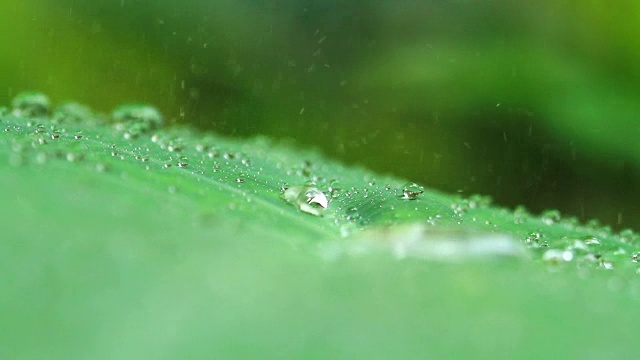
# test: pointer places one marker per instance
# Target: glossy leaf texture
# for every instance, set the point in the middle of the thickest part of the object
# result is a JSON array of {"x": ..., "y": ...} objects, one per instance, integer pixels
[{"x": 126, "y": 238}]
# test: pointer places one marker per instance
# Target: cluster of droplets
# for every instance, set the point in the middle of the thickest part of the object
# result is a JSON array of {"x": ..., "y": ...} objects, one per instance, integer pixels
[
  {"x": 32, "y": 116},
  {"x": 350, "y": 206}
]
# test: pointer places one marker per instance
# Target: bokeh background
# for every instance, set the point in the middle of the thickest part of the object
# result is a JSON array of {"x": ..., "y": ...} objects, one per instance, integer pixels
[{"x": 535, "y": 103}]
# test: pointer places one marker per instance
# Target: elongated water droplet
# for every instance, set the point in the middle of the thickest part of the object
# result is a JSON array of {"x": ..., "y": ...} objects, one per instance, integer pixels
[{"x": 307, "y": 198}]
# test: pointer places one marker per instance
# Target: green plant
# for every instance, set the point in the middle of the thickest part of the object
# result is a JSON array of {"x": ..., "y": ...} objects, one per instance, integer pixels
[{"x": 126, "y": 239}]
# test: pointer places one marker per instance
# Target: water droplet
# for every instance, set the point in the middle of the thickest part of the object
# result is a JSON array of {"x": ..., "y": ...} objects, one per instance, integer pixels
[
  {"x": 182, "y": 165},
  {"x": 77, "y": 137},
  {"x": 307, "y": 198},
  {"x": 550, "y": 216},
  {"x": 411, "y": 191},
  {"x": 635, "y": 257},
  {"x": 606, "y": 264},
  {"x": 135, "y": 119},
  {"x": 590, "y": 240},
  {"x": 479, "y": 201},
  {"x": 555, "y": 256},
  {"x": 30, "y": 104},
  {"x": 72, "y": 112},
  {"x": 353, "y": 213},
  {"x": 239, "y": 180}
]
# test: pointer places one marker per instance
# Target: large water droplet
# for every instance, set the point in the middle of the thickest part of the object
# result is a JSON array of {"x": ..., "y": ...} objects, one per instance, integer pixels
[
  {"x": 307, "y": 198},
  {"x": 30, "y": 104},
  {"x": 135, "y": 119},
  {"x": 411, "y": 191},
  {"x": 72, "y": 112}
]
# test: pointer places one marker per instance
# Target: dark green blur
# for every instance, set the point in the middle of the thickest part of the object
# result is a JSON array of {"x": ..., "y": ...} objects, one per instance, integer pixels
[{"x": 532, "y": 102}]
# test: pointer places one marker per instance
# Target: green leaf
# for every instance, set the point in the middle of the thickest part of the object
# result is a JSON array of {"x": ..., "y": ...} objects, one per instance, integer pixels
[{"x": 124, "y": 239}]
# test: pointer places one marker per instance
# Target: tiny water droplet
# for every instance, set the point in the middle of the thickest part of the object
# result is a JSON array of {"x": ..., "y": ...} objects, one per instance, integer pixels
[
  {"x": 77, "y": 137},
  {"x": 353, "y": 213},
  {"x": 30, "y": 104},
  {"x": 635, "y": 257},
  {"x": 411, "y": 191},
  {"x": 307, "y": 198},
  {"x": 239, "y": 180},
  {"x": 182, "y": 165}
]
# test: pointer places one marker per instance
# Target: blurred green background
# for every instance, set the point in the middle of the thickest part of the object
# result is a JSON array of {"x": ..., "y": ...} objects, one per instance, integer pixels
[{"x": 532, "y": 102}]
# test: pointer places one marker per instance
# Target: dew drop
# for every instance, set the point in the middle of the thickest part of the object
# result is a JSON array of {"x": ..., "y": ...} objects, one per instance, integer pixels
[
  {"x": 30, "y": 104},
  {"x": 307, "y": 198},
  {"x": 135, "y": 119},
  {"x": 411, "y": 191},
  {"x": 72, "y": 112}
]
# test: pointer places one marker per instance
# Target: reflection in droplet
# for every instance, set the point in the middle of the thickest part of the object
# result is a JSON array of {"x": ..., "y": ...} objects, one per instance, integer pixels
[
  {"x": 307, "y": 198},
  {"x": 411, "y": 191}
]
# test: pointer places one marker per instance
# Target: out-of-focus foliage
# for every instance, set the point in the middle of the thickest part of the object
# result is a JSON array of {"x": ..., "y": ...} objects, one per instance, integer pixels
[{"x": 533, "y": 102}]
